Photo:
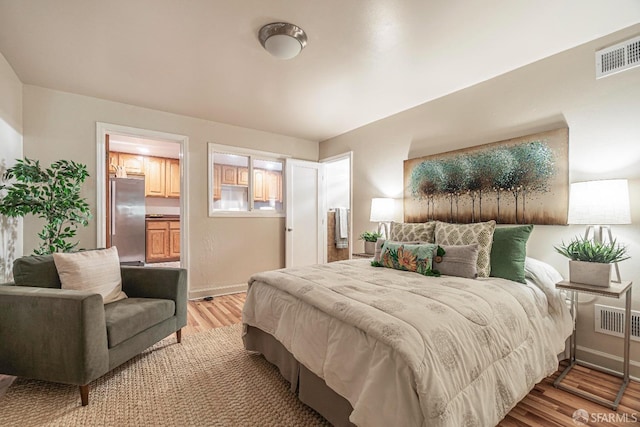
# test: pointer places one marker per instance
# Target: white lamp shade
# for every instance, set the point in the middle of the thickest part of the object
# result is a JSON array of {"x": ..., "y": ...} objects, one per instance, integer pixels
[
  {"x": 282, "y": 46},
  {"x": 603, "y": 202},
  {"x": 382, "y": 210}
]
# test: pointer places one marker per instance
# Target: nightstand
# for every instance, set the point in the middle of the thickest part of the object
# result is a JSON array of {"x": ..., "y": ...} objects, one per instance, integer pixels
[
  {"x": 615, "y": 290},
  {"x": 362, "y": 255}
]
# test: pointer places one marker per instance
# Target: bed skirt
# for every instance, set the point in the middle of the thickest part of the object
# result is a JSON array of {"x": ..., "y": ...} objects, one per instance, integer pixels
[{"x": 311, "y": 389}]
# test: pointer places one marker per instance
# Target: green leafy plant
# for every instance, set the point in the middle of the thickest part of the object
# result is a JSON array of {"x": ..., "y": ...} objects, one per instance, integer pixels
[
  {"x": 581, "y": 249},
  {"x": 370, "y": 236},
  {"x": 52, "y": 194}
]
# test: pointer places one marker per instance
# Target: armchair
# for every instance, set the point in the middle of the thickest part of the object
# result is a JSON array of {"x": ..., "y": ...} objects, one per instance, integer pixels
[{"x": 71, "y": 337}]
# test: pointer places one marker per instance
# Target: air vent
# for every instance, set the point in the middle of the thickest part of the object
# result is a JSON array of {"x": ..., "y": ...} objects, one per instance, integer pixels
[
  {"x": 617, "y": 58},
  {"x": 610, "y": 320}
]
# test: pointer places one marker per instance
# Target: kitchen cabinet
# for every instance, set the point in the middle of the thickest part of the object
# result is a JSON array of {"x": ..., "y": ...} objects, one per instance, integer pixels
[
  {"x": 163, "y": 240},
  {"x": 258, "y": 185},
  {"x": 273, "y": 186},
  {"x": 162, "y": 177},
  {"x": 229, "y": 175},
  {"x": 133, "y": 163},
  {"x": 217, "y": 182},
  {"x": 172, "y": 172},
  {"x": 243, "y": 176}
]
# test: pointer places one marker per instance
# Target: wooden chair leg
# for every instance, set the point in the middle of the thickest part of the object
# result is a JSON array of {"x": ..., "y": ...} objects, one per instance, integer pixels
[
  {"x": 179, "y": 335},
  {"x": 84, "y": 394}
]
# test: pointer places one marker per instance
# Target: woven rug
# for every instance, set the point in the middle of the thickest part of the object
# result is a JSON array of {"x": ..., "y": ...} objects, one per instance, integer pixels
[{"x": 208, "y": 380}]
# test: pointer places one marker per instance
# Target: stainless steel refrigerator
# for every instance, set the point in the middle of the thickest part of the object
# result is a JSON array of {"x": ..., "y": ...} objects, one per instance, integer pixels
[{"x": 127, "y": 219}]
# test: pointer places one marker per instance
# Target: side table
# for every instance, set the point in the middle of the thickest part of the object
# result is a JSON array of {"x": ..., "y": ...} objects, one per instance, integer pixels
[
  {"x": 362, "y": 255},
  {"x": 615, "y": 290}
]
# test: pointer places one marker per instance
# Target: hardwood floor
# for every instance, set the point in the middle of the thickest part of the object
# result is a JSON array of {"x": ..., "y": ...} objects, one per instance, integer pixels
[{"x": 543, "y": 406}]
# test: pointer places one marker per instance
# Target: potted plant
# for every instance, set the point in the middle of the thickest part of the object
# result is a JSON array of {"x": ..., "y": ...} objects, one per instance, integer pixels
[
  {"x": 370, "y": 238},
  {"x": 590, "y": 262},
  {"x": 52, "y": 194}
]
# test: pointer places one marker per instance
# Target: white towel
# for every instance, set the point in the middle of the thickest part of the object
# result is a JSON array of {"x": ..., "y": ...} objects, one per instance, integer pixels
[
  {"x": 344, "y": 222},
  {"x": 342, "y": 229}
]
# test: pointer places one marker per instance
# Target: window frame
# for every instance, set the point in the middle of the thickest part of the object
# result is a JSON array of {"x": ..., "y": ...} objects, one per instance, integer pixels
[{"x": 213, "y": 148}]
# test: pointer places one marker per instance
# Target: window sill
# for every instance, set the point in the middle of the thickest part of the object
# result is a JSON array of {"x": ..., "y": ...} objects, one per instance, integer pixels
[{"x": 246, "y": 214}]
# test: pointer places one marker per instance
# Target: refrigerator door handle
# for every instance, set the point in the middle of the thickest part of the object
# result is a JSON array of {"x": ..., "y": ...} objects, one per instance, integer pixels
[{"x": 113, "y": 208}]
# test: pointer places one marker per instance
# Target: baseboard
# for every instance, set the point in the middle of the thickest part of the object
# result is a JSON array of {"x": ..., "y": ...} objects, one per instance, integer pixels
[
  {"x": 218, "y": 291},
  {"x": 604, "y": 361}
]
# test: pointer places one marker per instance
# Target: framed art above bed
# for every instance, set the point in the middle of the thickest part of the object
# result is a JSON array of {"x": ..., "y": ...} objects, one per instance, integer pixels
[{"x": 522, "y": 180}]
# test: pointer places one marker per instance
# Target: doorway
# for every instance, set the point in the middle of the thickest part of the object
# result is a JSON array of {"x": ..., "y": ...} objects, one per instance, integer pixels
[
  {"x": 338, "y": 195},
  {"x": 155, "y": 164}
]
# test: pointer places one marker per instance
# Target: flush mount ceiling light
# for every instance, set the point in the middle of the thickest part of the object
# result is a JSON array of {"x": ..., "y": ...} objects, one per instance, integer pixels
[{"x": 282, "y": 40}]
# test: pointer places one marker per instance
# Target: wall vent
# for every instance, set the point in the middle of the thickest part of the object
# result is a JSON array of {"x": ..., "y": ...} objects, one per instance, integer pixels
[
  {"x": 617, "y": 58},
  {"x": 610, "y": 320}
]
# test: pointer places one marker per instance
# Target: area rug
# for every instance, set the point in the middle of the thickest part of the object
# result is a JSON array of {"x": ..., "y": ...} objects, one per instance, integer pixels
[{"x": 208, "y": 380}]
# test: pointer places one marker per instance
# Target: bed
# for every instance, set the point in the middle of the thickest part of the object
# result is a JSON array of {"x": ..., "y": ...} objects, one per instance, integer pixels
[{"x": 377, "y": 347}]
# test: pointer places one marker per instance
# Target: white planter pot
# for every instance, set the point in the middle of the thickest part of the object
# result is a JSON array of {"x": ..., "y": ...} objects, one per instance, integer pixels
[
  {"x": 590, "y": 273},
  {"x": 369, "y": 247}
]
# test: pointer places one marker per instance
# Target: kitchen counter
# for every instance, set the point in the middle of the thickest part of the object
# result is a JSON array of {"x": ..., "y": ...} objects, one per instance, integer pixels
[{"x": 161, "y": 217}]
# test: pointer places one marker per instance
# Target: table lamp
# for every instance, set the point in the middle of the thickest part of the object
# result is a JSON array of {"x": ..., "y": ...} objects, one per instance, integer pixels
[
  {"x": 382, "y": 212},
  {"x": 600, "y": 204}
]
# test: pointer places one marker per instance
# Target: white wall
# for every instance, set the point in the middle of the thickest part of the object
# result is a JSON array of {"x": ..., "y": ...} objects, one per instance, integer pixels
[
  {"x": 223, "y": 251},
  {"x": 603, "y": 117},
  {"x": 10, "y": 149}
]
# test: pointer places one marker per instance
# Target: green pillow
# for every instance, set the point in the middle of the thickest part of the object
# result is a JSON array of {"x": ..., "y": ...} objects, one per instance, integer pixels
[
  {"x": 508, "y": 252},
  {"x": 404, "y": 256}
]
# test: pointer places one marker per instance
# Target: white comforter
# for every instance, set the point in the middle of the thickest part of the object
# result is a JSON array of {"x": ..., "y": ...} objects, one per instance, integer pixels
[{"x": 410, "y": 350}]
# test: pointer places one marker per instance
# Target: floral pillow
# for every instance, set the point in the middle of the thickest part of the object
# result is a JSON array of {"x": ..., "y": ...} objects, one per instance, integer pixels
[{"x": 407, "y": 257}]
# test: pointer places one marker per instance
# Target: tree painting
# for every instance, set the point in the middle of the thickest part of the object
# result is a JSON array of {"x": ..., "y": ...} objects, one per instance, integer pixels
[{"x": 516, "y": 181}]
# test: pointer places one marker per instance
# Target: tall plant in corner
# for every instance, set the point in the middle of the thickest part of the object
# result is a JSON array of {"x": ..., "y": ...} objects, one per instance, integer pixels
[{"x": 52, "y": 194}]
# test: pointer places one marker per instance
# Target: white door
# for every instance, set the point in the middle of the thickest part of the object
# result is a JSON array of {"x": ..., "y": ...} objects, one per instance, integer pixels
[{"x": 305, "y": 219}]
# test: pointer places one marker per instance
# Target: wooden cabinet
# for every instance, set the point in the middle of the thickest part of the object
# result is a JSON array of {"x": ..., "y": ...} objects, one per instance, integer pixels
[
  {"x": 229, "y": 175},
  {"x": 273, "y": 186},
  {"x": 267, "y": 185},
  {"x": 133, "y": 163},
  {"x": 243, "y": 176},
  {"x": 174, "y": 239},
  {"x": 163, "y": 240},
  {"x": 155, "y": 177},
  {"x": 258, "y": 185},
  {"x": 217, "y": 182},
  {"x": 162, "y": 177},
  {"x": 172, "y": 178}
]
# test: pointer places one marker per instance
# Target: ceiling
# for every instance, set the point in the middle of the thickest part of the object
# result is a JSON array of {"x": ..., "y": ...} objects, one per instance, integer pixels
[{"x": 365, "y": 59}]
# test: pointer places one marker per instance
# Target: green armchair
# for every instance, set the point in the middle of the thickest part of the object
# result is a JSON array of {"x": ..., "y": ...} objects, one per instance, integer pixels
[{"x": 71, "y": 337}]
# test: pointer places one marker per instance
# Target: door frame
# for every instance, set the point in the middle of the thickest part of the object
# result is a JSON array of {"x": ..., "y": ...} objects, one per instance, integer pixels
[
  {"x": 338, "y": 157},
  {"x": 104, "y": 129}
]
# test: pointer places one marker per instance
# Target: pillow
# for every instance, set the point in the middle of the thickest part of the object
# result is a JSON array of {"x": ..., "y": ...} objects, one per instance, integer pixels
[
  {"x": 93, "y": 271},
  {"x": 467, "y": 234},
  {"x": 404, "y": 256},
  {"x": 378, "y": 251},
  {"x": 458, "y": 260},
  {"x": 418, "y": 232},
  {"x": 509, "y": 251}
]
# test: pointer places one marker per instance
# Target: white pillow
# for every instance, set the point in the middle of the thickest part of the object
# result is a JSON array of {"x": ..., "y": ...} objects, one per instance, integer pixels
[{"x": 93, "y": 271}]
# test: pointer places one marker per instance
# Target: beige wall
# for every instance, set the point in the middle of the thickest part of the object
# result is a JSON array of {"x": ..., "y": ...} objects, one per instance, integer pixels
[
  {"x": 603, "y": 117},
  {"x": 10, "y": 149},
  {"x": 223, "y": 251}
]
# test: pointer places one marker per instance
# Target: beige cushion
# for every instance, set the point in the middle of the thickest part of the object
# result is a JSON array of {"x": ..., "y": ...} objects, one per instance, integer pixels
[
  {"x": 92, "y": 271},
  {"x": 468, "y": 234},
  {"x": 458, "y": 260},
  {"x": 408, "y": 232}
]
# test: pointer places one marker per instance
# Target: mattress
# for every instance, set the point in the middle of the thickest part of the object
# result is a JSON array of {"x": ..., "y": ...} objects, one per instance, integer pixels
[{"x": 405, "y": 349}]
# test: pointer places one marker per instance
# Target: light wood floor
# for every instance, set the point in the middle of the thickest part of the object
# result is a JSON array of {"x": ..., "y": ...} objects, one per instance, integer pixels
[{"x": 543, "y": 406}]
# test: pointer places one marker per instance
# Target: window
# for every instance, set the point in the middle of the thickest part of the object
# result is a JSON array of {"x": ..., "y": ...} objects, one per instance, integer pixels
[{"x": 245, "y": 182}]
